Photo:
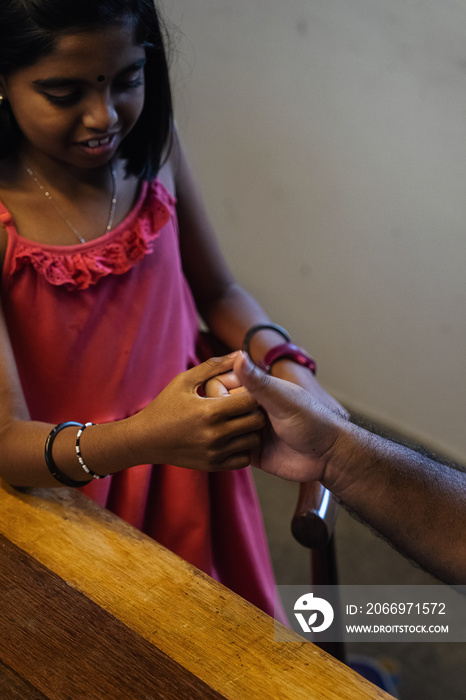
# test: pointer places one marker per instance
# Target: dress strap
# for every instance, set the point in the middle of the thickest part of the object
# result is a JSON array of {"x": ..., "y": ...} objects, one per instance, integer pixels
[
  {"x": 8, "y": 246},
  {"x": 6, "y": 218}
]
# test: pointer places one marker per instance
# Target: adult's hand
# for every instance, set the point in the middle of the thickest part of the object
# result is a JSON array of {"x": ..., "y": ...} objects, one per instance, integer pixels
[
  {"x": 291, "y": 371},
  {"x": 301, "y": 431}
]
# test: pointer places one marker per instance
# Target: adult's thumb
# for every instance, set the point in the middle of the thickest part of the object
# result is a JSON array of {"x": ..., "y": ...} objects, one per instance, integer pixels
[{"x": 268, "y": 391}]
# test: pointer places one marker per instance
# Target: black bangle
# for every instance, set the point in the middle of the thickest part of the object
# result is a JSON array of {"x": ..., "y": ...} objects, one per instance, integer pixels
[
  {"x": 260, "y": 327},
  {"x": 53, "y": 469}
]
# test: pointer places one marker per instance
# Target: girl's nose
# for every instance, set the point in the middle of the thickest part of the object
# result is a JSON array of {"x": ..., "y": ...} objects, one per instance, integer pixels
[{"x": 100, "y": 113}]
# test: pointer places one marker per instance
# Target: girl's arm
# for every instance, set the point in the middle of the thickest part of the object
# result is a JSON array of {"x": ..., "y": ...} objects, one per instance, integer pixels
[
  {"x": 228, "y": 310},
  {"x": 178, "y": 427},
  {"x": 225, "y": 306}
]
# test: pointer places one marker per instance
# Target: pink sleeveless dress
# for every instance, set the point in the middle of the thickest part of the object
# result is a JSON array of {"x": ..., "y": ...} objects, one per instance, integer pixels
[{"x": 98, "y": 330}]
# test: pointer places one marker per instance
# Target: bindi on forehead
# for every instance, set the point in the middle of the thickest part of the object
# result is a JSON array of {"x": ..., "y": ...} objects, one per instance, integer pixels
[{"x": 100, "y": 78}]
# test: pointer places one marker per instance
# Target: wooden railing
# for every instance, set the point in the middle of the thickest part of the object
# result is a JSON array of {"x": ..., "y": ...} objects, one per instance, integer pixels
[{"x": 92, "y": 608}]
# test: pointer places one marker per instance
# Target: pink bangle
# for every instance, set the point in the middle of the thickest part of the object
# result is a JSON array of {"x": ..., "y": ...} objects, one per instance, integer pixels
[{"x": 288, "y": 351}]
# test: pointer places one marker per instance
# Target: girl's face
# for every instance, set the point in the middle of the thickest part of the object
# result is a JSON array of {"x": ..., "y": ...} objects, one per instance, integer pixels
[{"x": 77, "y": 104}]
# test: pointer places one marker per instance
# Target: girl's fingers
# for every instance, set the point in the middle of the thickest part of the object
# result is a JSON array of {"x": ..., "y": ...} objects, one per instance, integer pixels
[
  {"x": 213, "y": 388},
  {"x": 244, "y": 443},
  {"x": 223, "y": 385},
  {"x": 236, "y": 461},
  {"x": 212, "y": 367},
  {"x": 235, "y": 404},
  {"x": 237, "y": 453},
  {"x": 229, "y": 380},
  {"x": 238, "y": 390},
  {"x": 241, "y": 425}
]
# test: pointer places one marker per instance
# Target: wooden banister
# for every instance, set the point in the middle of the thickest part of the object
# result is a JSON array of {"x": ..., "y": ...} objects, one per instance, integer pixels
[{"x": 92, "y": 608}]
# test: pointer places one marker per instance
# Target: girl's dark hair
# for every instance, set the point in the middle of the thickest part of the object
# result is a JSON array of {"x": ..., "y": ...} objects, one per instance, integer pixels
[{"x": 30, "y": 29}]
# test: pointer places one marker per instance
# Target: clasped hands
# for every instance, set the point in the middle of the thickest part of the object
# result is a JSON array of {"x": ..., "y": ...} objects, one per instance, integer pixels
[
  {"x": 286, "y": 426},
  {"x": 302, "y": 421}
]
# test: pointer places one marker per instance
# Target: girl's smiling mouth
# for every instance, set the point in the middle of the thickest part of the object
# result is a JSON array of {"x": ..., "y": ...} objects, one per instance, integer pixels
[{"x": 99, "y": 145}]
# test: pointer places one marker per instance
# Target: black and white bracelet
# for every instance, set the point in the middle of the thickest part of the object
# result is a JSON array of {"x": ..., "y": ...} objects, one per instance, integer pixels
[{"x": 80, "y": 457}]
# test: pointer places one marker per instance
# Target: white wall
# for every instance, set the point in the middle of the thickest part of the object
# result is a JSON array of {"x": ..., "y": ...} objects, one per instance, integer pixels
[{"x": 329, "y": 139}]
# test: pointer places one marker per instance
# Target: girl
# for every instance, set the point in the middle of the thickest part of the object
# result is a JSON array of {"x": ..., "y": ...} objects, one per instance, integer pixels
[{"x": 100, "y": 292}]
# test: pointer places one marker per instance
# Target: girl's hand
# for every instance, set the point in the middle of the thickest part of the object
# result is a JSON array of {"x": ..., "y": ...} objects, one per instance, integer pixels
[
  {"x": 223, "y": 385},
  {"x": 209, "y": 434}
]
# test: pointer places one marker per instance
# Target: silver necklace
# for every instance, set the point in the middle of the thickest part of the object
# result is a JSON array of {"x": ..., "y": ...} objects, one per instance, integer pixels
[{"x": 47, "y": 194}]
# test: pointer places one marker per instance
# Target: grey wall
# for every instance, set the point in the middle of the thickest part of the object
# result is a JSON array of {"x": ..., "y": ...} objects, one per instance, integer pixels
[{"x": 329, "y": 139}]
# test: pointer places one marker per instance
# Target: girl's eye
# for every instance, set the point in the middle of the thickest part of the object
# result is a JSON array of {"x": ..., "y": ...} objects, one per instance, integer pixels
[
  {"x": 62, "y": 100},
  {"x": 132, "y": 81},
  {"x": 136, "y": 82}
]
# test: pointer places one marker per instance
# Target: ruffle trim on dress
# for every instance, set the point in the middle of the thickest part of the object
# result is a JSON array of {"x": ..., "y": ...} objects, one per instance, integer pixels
[{"x": 113, "y": 254}]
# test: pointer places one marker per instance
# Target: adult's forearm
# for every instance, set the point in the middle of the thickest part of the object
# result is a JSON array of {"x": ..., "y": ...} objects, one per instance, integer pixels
[{"x": 415, "y": 502}]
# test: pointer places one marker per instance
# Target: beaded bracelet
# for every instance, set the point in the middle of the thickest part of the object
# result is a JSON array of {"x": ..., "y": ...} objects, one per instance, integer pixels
[
  {"x": 80, "y": 457},
  {"x": 52, "y": 467}
]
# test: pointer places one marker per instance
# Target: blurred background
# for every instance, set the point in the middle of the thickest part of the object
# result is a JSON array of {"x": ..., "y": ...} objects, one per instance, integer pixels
[{"x": 329, "y": 141}]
